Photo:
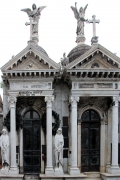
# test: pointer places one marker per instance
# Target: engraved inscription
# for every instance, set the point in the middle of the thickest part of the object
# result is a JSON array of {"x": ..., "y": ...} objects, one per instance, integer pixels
[
  {"x": 86, "y": 85},
  {"x": 30, "y": 86}
]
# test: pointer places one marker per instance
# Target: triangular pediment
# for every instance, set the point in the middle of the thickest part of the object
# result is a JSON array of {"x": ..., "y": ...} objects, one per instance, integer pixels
[
  {"x": 30, "y": 58},
  {"x": 98, "y": 58}
]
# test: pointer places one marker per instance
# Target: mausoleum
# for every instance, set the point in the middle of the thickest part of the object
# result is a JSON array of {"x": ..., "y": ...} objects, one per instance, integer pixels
[{"x": 80, "y": 96}]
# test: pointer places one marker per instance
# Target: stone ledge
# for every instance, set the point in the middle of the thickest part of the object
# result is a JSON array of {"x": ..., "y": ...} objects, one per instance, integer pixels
[
  {"x": 12, "y": 177},
  {"x": 66, "y": 176},
  {"x": 107, "y": 176}
]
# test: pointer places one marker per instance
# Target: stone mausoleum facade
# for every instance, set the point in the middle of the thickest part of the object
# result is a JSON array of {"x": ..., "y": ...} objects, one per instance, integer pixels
[{"x": 81, "y": 96}]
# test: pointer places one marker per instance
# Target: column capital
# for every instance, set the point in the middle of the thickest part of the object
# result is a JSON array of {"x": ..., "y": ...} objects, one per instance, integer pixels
[
  {"x": 115, "y": 100},
  {"x": 74, "y": 99},
  {"x": 49, "y": 99},
  {"x": 12, "y": 100}
]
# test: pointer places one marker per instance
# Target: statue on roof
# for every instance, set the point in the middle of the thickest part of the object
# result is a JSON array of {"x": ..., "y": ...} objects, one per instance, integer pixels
[
  {"x": 80, "y": 16},
  {"x": 64, "y": 60},
  {"x": 34, "y": 16}
]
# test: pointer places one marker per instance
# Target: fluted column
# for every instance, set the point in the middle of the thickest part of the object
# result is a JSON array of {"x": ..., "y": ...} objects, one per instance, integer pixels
[
  {"x": 49, "y": 165},
  {"x": 114, "y": 165},
  {"x": 74, "y": 170},
  {"x": 12, "y": 104}
]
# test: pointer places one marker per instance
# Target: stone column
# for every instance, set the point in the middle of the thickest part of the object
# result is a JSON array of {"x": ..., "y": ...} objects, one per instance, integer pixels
[
  {"x": 74, "y": 170},
  {"x": 21, "y": 149},
  {"x": 12, "y": 104},
  {"x": 79, "y": 144},
  {"x": 49, "y": 165},
  {"x": 114, "y": 165},
  {"x": 102, "y": 147},
  {"x": 108, "y": 150}
]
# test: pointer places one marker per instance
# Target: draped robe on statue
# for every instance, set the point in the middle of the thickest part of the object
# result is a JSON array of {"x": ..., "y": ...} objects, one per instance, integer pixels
[
  {"x": 59, "y": 143},
  {"x": 4, "y": 148}
]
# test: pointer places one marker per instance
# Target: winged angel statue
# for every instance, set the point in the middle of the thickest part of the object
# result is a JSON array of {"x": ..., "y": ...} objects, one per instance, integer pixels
[
  {"x": 34, "y": 14},
  {"x": 80, "y": 16}
]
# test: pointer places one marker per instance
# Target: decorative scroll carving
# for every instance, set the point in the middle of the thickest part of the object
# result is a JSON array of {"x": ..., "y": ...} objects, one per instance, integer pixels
[{"x": 95, "y": 65}]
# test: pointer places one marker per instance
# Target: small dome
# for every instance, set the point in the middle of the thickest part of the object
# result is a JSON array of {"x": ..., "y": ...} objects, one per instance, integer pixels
[
  {"x": 41, "y": 49},
  {"x": 78, "y": 51}
]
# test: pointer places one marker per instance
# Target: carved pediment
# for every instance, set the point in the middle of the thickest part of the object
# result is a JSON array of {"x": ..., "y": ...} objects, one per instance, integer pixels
[
  {"x": 98, "y": 58},
  {"x": 31, "y": 63},
  {"x": 97, "y": 62},
  {"x": 30, "y": 58}
]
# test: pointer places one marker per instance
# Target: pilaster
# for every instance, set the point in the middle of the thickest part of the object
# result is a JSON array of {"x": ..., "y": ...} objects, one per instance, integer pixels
[{"x": 49, "y": 165}]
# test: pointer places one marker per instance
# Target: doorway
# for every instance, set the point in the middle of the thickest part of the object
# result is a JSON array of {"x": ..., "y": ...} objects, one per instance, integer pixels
[
  {"x": 31, "y": 142},
  {"x": 90, "y": 141}
]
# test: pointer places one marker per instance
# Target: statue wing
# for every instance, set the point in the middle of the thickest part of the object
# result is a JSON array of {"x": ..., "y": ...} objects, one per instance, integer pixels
[
  {"x": 40, "y": 9},
  {"x": 75, "y": 12},
  {"x": 27, "y": 10}
]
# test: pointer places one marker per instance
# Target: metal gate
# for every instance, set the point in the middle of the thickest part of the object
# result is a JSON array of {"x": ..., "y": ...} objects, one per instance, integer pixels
[
  {"x": 31, "y": 142},
  {"x": 90, "y": 141}
]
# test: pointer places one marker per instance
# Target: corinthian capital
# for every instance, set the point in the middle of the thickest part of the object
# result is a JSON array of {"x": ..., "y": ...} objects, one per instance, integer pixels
[
  {"x": 73, "y": 99},
  {"x": 12, "y": 100},
  {"x": 115, "y": 101},
  {"x": 49, "y": 99}
]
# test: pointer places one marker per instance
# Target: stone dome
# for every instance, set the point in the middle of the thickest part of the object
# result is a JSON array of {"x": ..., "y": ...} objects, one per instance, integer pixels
[
  {"x": 41, "y": 49},
  {"x": 78, "y": 51}
]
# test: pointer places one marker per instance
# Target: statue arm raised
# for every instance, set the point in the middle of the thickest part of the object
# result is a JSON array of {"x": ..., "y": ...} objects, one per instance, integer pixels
[{"x": 85, "y": 7}]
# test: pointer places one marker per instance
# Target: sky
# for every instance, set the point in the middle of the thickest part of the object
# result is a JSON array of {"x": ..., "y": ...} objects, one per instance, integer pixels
[{"x": 57, "y": 26}]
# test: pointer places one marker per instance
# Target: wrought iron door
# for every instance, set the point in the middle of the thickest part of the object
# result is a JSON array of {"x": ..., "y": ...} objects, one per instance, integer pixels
[
  {"x": 90, "y": 141},
  {"x": 31, "y": 142}
]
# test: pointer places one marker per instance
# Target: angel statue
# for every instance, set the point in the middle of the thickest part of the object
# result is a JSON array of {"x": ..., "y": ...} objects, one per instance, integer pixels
[
  {"x": 80, "y": 18},
  {"x": 34, "y": 15}
]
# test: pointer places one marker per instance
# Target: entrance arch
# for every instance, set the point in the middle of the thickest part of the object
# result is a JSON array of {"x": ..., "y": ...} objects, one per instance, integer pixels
[
  {"x": 90, "y": 141},
  {"x": 31, "y": 142}
]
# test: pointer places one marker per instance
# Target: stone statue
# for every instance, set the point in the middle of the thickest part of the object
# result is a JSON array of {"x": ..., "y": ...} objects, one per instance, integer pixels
[
  {"x": 59, "y": 143},
  {"x": 5, "y": 148},
  {"x": 34, "y": 16},
  {"x": 64, "y": 60},
  {"x": 80, "y": 16}
]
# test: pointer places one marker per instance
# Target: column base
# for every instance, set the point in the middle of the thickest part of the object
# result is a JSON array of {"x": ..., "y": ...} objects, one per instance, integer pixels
[
  {"x": 14, "y": 170},
  {"x": 49, "y": 171},
  {"x": 74, "y": 171},
  {"x": 114, "y": 170}
]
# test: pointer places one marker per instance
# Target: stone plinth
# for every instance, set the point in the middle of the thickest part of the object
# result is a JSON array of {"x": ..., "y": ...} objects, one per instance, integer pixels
[{"x": 58, "y": 171}]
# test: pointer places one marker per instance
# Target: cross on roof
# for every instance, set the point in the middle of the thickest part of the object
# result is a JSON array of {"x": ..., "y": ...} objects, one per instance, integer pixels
[
  {"x": 94, "y": 25},
  {"x": 31, "y": 23}
]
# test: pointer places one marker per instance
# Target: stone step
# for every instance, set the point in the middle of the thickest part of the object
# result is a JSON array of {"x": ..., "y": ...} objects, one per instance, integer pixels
[
  {"x": 92, "y": 175},
  {"x": 93, "y": 179},
  {"x": 31, "y": 177}
]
